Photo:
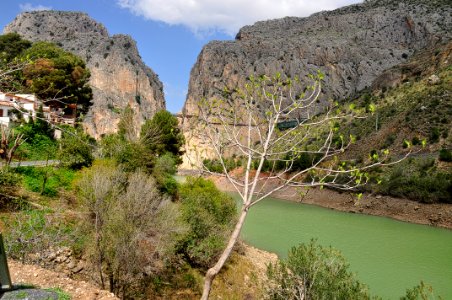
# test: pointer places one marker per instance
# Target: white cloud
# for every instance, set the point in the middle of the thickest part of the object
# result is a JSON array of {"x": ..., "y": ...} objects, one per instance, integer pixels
[
  {"x": 225, "y": 15},
  {"x": 31, "y": 7}
]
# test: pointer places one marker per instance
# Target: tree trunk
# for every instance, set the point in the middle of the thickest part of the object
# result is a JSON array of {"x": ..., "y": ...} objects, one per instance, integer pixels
[{"x": 212, "y": 272}]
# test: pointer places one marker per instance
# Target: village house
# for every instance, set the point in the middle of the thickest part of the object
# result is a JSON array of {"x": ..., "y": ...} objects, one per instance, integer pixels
[
  {"x": 26, "y": 105},
  {"x": 23, "y": 103}
]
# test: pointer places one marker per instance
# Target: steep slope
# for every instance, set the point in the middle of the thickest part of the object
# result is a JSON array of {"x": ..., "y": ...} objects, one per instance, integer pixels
[
  {"x": 414, "y": 102},
  {"x": 118, "y": 75},
  {"x": 351, "y": 45}
]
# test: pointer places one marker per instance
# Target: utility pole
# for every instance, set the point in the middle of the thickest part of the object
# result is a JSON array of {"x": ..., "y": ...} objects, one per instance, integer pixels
[{"x": 5, "y": 279}]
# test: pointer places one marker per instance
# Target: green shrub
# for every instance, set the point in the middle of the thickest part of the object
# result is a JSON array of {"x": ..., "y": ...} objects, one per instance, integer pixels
[
  {"x": 434, "y": 135},
  {"x": 8, "y": 177},
  {"x": 214, "y": 165},
  {"x": 209, "y": 214},
  {"x": 167, "y": 184},
  {"x": 418, "y": 181},
  {"x": 445, "y": 155},
  {"x": 314, "y": 272},
  {"x": 76, "y": 149},
  {"x": 415, "y": 141},
  {"x": 163, "y": 171},
  {"x": 420, "y": 292},
  {"x": 37, "y": 147},
  {"x": 165, "y": 164}
]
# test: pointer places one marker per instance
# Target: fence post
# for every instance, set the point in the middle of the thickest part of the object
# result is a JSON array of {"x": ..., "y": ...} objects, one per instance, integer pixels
[{"x": 5, "y": 279}]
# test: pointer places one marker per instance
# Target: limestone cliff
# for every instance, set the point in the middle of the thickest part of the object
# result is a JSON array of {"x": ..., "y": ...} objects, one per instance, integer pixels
[
  {"x": 118, "y": 75},
  {"x": 352, "y": 46}
]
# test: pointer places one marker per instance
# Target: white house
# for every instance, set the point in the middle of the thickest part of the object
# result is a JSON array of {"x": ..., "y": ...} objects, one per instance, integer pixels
[
  {"x": 5, "y": 108},
  {"x": 28, "y": 105},
  {"x": 24, "y": 103}
]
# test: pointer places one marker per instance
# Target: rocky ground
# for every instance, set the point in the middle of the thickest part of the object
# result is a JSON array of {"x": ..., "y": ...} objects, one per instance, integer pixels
[
  {"x": 439, "y": 215},
  {"x": 42, "y": 278}
]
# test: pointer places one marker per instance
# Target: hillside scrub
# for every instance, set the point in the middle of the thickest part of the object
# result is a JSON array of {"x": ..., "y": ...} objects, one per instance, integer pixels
[
  {"x": 313, "y": 272},
  {"x": 155, "y": 150},
  {"x": 210, "y": 215},
  {"x": 417, "y": 179},
  {"x": 30, "y": 234},
  {"x": 413, "y": 115},
  {"x": 130, "y": 227},
  {"x": 75, "y": 148}
]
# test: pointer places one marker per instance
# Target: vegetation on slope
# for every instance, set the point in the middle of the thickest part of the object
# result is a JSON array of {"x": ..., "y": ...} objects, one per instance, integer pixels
[{"x": 416, "y": 111}]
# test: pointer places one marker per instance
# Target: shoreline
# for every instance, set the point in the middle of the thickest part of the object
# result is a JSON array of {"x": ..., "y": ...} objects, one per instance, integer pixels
[{"x": 437, "y": 215}]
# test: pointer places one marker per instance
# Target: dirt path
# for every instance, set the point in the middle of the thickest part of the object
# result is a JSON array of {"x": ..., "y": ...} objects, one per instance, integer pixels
[
  {"x": 439, "y": 215},
  {"x": 43, "y": 278}
]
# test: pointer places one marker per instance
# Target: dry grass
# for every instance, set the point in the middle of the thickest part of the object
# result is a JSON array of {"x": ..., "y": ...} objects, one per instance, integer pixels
[{"x": 240, "y": 279}]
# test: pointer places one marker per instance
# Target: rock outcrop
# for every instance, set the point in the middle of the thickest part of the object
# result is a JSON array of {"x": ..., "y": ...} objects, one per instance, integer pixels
[
  {"x": 118, "y": 75},
  {"x": 351, "y": 46}
]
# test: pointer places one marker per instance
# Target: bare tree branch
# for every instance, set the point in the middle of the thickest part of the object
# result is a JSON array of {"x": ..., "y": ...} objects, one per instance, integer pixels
[{"x": 272, "y": 122}]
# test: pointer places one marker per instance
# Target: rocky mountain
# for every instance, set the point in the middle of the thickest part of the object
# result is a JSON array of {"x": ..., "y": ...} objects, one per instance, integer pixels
[
  {"x": 118, "y": 75},
  {"x": 352, "y": 46}
]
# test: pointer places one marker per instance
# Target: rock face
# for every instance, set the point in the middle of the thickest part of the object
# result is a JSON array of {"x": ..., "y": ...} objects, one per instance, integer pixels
[
  {"x": 118, "y": 75},
  {"x": 351, "y": 46}
]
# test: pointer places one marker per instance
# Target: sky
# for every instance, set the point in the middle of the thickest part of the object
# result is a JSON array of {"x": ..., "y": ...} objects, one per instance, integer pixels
[{"x": 171, "y": 33}]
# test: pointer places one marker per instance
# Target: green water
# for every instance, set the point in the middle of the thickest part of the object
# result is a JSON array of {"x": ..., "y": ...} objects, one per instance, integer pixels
[{"x": 388, "y": 255}]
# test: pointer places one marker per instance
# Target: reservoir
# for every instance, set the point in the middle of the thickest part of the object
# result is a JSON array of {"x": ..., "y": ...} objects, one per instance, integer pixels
[{"x": 387, "y": 255}]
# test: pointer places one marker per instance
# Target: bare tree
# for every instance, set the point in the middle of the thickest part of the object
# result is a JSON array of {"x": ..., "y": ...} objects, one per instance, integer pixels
[
  {"x": 270, "y": 124},
  {"x": 9, "y": 143}
]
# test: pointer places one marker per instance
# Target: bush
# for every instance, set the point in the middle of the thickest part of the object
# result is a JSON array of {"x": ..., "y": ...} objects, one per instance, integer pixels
[
  {"x": 445, "y": 155},
  {"x": 420, "y": 292},
  {"x": 130, "y": 226},
  {"x": 434, "y": 135},
  {"x": 210, "y": 215},
  {"x": 214, "y": 165},
  {"x": 36, "y": 231},
  {"x": 76, "y": 149},
  {"x": 165, "y": 165},
  {"x": 37, "y": 146},
  {"x": 8, "y": 177},
  {"x": 418, "y": 181},
  {"x": 314, "y": 272}
]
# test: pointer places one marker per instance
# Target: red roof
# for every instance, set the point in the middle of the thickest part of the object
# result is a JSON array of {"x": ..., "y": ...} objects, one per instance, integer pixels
[{"x": 6, "y": 103}]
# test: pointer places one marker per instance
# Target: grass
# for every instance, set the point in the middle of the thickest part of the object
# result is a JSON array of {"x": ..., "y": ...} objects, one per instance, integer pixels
[
  {"x": 62, "y": 295},
  {"x": 237, "y": 280},
  {"x": 36, "y": 231},
  {"x": 55, "y": 179}
]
